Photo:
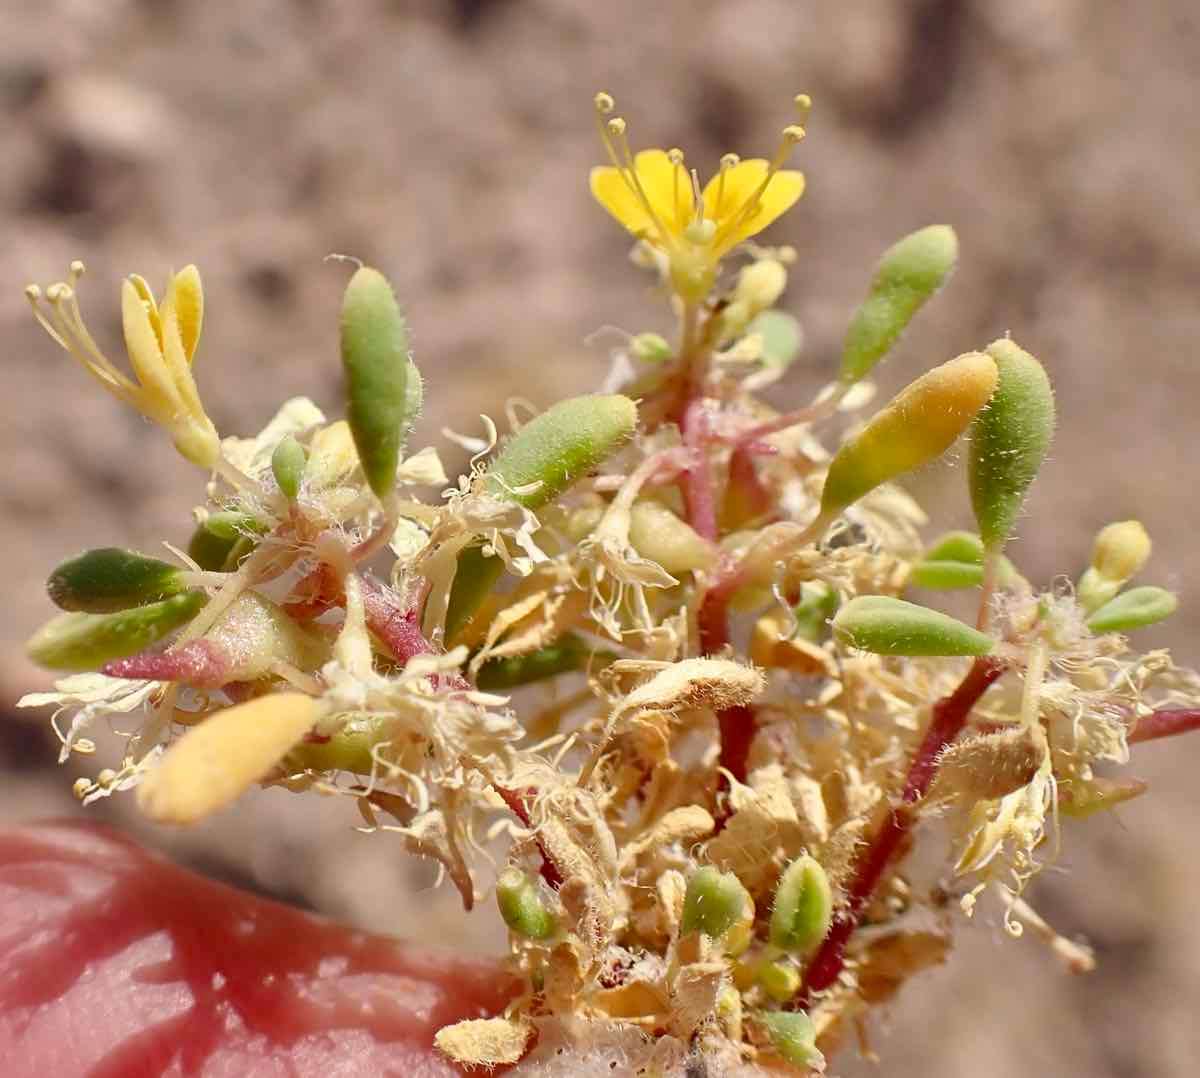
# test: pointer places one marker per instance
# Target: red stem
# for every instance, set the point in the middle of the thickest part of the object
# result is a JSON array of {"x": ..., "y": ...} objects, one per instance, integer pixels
[
  {"x": 1166, "y": 722},
  {"x": 697, "y": 480},
  {"x": 949, "y": 717},
  {"x": 516, "y": 802}
]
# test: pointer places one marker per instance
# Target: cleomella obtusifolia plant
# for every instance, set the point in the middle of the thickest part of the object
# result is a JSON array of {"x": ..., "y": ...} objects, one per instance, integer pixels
[{"x": 659, "y": 672}]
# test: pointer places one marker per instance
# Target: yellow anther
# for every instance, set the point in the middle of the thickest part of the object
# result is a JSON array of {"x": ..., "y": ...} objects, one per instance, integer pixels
[
  {"x": 803, "y": 105},
  {"x": 77, "y": 268},
  {"x": 793, "y": 133},
  {"x": 106, "y": 777},
  {"x": 33, "y": 293},
  {"x": 604, "y": 103},
  {"x": 616, "y": 127},
  {"x": 730, "y": 160},
  {"x": 81, "y": 788},
  {"x": 675, "y": 156}
]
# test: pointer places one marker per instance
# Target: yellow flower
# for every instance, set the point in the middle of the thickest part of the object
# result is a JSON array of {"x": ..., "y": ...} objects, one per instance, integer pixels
[
  {"x": 161, "y": 341},
  {"x": 657, "y": 199}
]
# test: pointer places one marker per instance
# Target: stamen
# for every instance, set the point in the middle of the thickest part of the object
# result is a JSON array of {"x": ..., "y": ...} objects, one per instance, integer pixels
[
  {"x": 604, "y": 103},
  {"x": 791, "y": 135},
  {"x": 616, "y": 131},
  {"x": 728, "y": 161},
  {"x": 675, "y": 156},
  {"x": 803, "y": 104}
]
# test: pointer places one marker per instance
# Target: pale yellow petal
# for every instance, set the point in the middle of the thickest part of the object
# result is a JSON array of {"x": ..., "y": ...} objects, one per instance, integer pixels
[
  {"x": 145, "y": 353},
  {"x": 215, "y": 762},
  {"x": 186, "y": 296},
  {"x": 143, "y": 290}
]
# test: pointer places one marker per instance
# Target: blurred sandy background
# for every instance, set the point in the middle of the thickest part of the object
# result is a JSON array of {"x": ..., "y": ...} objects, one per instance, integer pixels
[{"x": 448, "y": 143}]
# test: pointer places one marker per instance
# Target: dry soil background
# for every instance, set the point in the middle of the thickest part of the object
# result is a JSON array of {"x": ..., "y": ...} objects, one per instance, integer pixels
[{"x": 448, "y": 143}]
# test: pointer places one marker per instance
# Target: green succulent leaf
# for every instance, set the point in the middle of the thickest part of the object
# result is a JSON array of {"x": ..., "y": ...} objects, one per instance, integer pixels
[
  {"x": 1134, "y": 609},
  {"x": 887, "y": 626},
  {"x": 108, "y": 579}
]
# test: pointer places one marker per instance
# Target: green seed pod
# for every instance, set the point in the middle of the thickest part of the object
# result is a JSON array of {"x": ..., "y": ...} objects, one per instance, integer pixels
[
  {"x": 287, "y": 465},
  {"x": 780, "y": 980},
  {"x": 907, "y": 275},
  {"x": 803, "y": 906},
  {"x": 560, "y": 446},
  {"x": 887, "y": 626},
  {"x": 211, "y": 552},
  {"x": 109, "y": 579},
  {"x": 375, "y": 359},
  {"x": 782, "y": 337},
  {"x": 658, "y": 534},
  {"x": 1134, "y": 609},
  {"x": 818, "y": 603},
  {"x": 1009, "y": 440},
  {"x": 521, "y": 906},
  {"x": 232, "y": 525},
  {"x": 87, "y": 641},
  {"x": 715, "y": 903},
  {"x": 569, "y": 652},
  {"x": 794, "y": 1037},
  {"x": 919, "y": 424}
]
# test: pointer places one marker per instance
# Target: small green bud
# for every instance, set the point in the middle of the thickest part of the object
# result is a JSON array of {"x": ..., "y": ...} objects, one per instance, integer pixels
[
  {"x": 233, "y": 525},
  {"x": 569, "y": 652},
  {"x": 782, "y": 337},
  {"x": 1134, "y": 609},
  {"x": 474, "y": 576},
  {"x": 715, "y": 903},
  {"x": 211, "y": 552},
  {"x": 803, "y": 907},
  {"x": 109, "y": 579},
  {"x": 1120, "y": 551},
  {"x": 560, "y": 446},
  {"x": 919, "y": 424},
  {"x": 1082, "y": 800},
  {"x": 818, "y": 603},
  {"x": 374, "y": 339},
  {"x": 1009, "y": 440},
  {"x": 82, "y": 641},
  {"x": 287, "y": 465},
  {"x": 521, "y": 906},
  {"x": 780, "y": 980},
  {"x": 794, "y": 1037},
  {"x": 887, "y": 626},
  {"x": 658, "y": 534},
  {"x": 958, "y": 546},
  {"x": 908, "y": 274},
  {"x": 651, "y": 348}
]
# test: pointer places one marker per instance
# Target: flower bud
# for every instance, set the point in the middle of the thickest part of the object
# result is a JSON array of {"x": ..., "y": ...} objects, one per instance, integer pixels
[
  {"x": 1009, "y": 439},
  {"x": 651, "y": 348},
  {"x": 658, "y": 534},
  {"x": 1119, "y": 552},
  {"x": 232, "y": 525},
  {"x": 287, "y": 465},
  {"x": 521, "y": 906},
  {"x": 560, "y": 446},
  {"x": 375, "y": 359},
  {"x": 102, "y": 581},
  {"x": 1134, "y": 609},
  {"x": 716, "y": 904},
  {"x": 919, "y": 424},
  {"x": 781, "y": 336},
  {"x": 780, "y": 980},
  {"x": 907, "y": 275},
  {"x": 959, "y": 546},
  {"x": 1099, "y": 795},
  {"x": 818, "y": 603},
  {"x": 569, "y": 652},
  {"x": 887, "y": 626},
  {"x": 794, "y": 1037},
  {"x": 803, "y": 906},
  {"x": 81, "y": 641}
]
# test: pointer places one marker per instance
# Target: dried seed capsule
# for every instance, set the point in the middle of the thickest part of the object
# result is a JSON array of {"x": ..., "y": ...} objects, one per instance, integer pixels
[
  {"x": 794, "y": 1037},
  {"x": 102, "y": 581},
  {"x": 521, "y": 906},
  {"x": 919, "y": 424},
  {"x": 87, "y": 641},
  {"x": 1009, "y": 439},
  {"x": 287, "y": 465},
  {"x": 1119, "y": 552},
  {"x": 803, "y": 906},
  {"x": 560, "y": 446},
  {"x": 658, "y": 534},
  {"x": 887, "y": 626},
  {"x": 375, "y": 359},
  {"x": 1134, "y": 609},
  {"x": 908, "y": 274},
  {"x": 217, "y": 761},
  {"x": 569, "y": 652},
  {"x": 716, "y": 904}
]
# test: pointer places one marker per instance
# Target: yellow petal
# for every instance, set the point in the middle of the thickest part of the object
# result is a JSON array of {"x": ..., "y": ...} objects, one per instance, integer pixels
[
  {"x": 145, "y": 351},
  {"x": 143, "y": 290},
  {"x": 667, "y": 189},
  {"x": 611, "y": 190},
  {"x": 215, "y": 762},
  {"x": 186, "y": 295},
  {"x": 725, "y": 204}
]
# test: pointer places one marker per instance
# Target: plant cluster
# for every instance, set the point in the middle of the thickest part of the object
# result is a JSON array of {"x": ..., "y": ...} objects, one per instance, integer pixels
[{"x": 651, "y": 672}]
